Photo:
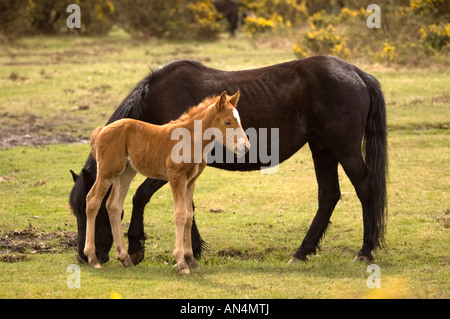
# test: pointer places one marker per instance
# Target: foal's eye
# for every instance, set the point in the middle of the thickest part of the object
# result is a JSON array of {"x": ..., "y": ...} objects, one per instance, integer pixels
[{"x": 227, "y": 123}]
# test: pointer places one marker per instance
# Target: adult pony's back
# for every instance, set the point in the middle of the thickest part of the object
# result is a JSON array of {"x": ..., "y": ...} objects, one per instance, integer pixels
[{"x": 324, "y": 101}]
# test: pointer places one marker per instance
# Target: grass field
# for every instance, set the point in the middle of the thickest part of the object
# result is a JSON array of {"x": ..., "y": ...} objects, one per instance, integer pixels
[{"x": 58, "y": 89}]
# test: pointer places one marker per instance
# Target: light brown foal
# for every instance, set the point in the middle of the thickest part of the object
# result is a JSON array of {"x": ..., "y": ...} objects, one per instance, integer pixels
[{"x": 128, "y": 146}]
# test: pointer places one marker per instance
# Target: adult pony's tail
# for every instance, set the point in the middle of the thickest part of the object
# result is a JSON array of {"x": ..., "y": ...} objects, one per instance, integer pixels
[
  {"x": 93, "y": 142},
  {"x": 375, "y": 149}
]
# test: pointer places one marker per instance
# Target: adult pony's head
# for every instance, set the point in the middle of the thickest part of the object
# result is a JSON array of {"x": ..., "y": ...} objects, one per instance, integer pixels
[
  {"x": 77, "y": 200},
  {"x": 228, "y": 122}
]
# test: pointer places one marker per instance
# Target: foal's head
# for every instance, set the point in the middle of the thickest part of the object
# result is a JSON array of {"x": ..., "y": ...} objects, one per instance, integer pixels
[{"x": 229, "y": 122}]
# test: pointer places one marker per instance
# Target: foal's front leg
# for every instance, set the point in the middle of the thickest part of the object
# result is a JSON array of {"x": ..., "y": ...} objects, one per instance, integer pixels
[
  {"x": 93, "y": 201},
  {"x": 178, "y": 185}
]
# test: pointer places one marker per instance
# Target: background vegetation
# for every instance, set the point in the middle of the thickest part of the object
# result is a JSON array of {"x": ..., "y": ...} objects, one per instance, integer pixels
[
  {"x": 58, "y": 85},
  {"x": 412, "y": 32}
]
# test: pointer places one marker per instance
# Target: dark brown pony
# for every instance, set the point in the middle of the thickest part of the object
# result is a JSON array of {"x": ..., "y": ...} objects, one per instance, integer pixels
[
  {"x": 230, "y": 9},
  {"x": 324, "y": 101}
]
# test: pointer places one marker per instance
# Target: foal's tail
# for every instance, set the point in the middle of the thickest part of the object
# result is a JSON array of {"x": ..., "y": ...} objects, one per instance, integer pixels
[
  {"x": 93, "y": 143},
  {"x": 375, "y": 149}
]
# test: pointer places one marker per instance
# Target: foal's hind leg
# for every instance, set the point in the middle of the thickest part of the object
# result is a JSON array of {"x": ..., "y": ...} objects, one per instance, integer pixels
[
  {"x": 93, "y": 201},
  {"x": 325, "y": 166},
  {"x": 114, "y": 206}
]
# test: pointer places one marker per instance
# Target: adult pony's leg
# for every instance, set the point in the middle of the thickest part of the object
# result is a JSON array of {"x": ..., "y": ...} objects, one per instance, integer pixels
[
  {"x": 114, "y": 206},
  {"x": 136, "y": 235},
  {"x": 93, "y": 201},
  {"x": 357, "y": 172},
  {"x": 325, "y": 166}
]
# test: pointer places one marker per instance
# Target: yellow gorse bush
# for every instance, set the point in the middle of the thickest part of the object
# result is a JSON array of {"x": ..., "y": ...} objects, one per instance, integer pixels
[
  {"x": 389, "y": 52},
  {"x": 322, "y": 38},
  {"x": 255, "y": 25},
  {"x": 435, "y": 36}
]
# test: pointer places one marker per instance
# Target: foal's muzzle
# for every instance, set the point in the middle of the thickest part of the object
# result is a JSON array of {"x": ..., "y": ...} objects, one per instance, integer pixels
[{"x": 242, "y": 148}]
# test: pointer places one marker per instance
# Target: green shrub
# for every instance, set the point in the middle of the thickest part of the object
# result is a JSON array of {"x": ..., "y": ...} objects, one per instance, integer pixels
[
  {"x": 439, "y": 9},
  {"x": 14, "y": 19},
  {"x": 326, "y": 41},
  {"x": 97, "y": 17},
  {"x": 32, "y": 17},
  {"x": 435, "y": 36},
  {"x": 321, "y": 20},
  {"x": 322, "y": 38},
  {"x": 179, "y": 19}
]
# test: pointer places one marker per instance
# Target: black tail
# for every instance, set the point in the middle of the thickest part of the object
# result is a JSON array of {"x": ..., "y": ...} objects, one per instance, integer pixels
[
  {"x": 375, "y": 148},
  {"x": 199, "y": 246}
]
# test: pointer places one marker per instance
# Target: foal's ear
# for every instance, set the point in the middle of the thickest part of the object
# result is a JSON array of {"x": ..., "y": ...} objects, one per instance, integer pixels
[
  {"x": 222, "y": 99},
  {"x": 235, "y": 98}
]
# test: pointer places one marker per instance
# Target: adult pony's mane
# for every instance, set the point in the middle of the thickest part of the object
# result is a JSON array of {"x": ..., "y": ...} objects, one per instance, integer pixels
[
  {"x": 195, "y": 111},
  {"x": 134, "y": 104}
]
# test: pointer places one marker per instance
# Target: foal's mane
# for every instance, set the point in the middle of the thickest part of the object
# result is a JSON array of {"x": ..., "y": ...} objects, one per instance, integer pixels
[{"x": 195, "y": 111}]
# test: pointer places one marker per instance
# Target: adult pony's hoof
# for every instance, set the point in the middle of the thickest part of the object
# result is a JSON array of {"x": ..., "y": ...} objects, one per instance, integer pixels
[
  {"x": 293, "y": 260},
  {"x": 296, "y": 260},
  {"x": 81, "y": 260},
  {"x": 363, "y": 258},
  {"x": 137, "y": 257}
]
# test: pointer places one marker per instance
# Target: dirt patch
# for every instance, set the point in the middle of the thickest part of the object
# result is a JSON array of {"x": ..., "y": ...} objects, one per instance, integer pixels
[
  {"x": 444, "y": 219},
  {"x": 33, "y": 139},
  {"x": 31, "y": 130},
  {"x": 17, "y": 245}
]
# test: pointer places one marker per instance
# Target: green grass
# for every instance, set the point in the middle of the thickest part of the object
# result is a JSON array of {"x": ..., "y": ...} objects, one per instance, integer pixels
[{"x": 262, "y": 218}]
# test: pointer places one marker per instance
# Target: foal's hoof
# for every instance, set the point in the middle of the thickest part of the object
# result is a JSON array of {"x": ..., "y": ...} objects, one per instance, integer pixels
[
  {"x": 126, "y": 262},
  {"x": 137, "y": 257},
  {"x": 94, "y": 262},
  {"x": 183, "y": 268},
  {"x": 192, "y": 263},
  {"x": 184, "y": 271}
]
